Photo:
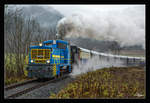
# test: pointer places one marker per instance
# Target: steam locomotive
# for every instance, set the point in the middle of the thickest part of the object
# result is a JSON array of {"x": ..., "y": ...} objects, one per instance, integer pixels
[{"x": 52, "y": 58}]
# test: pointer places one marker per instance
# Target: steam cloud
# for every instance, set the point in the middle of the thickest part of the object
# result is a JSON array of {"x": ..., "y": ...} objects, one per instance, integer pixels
[
  {"x": 93, "y": 64},
  {"x": 125, "y": 26}
]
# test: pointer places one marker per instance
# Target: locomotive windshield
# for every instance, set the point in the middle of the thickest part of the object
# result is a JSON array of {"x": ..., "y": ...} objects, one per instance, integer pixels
[{"x": 40, "y": 55}]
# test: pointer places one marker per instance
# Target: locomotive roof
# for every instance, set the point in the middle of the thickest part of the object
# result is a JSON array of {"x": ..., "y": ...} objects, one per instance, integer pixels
[{"x": 57, "y": 41}]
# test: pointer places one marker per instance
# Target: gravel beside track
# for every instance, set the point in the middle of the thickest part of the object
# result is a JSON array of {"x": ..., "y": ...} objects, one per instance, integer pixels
[
  {"x": 45, "y": 91},
  {"x": 19, "y": 88}
]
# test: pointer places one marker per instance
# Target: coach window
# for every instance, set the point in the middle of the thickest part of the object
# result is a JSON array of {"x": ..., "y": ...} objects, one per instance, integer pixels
[{"x": 61, "y": 45}]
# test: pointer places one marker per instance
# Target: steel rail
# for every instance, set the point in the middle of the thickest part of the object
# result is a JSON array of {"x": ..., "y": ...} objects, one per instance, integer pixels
[
  {"x": 19, "y": 93},
  {"x": 19, "y": 84}
]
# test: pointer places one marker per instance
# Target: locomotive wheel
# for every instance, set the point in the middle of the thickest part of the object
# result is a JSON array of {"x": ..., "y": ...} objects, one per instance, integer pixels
[
  {"x": 68, "y": 69},
  {"x": 59, "y": 76},
  {"x": 61, "y": 73},
  {"x": 56, "y": 77},
  {"x": 39, "y": 79}
]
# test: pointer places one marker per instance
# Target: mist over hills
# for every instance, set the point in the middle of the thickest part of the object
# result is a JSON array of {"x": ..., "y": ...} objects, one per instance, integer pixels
[
  {"x": 46, "y": 17},
  {"x": 101, "y": 46}
]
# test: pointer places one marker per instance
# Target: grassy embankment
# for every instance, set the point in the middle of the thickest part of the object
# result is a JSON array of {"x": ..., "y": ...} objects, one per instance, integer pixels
[
  {"x": 11, "y": 70},
  {"x": 112, "y": 82}
]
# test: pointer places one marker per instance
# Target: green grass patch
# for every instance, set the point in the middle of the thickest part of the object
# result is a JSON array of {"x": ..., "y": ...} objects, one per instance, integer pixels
[
  {"x": 15, "y": 80},
  {"x": 115, "y": 82},
  {"x": 11, "y": 69}
]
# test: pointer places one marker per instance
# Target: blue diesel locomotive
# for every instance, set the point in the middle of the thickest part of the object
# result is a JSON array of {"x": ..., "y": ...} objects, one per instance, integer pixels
[{"x": 50, "y": 59}]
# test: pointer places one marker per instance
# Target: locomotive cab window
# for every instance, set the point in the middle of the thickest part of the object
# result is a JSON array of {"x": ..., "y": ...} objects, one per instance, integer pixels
[
  {"x": 61, "y": 45},
  {"x": 48, "y": 44}
]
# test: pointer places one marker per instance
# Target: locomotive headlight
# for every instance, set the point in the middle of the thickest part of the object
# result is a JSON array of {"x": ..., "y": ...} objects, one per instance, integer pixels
[
  {"x": 31, "y": 61},
  {"x": 48, "y": 61},
  {"x": 40, "y": 44}
]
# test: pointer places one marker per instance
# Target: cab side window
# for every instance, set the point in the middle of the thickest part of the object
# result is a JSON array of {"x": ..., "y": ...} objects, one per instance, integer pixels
[
  {"x": 61, "y": 45},
  {"x": 48, "y": 44}
]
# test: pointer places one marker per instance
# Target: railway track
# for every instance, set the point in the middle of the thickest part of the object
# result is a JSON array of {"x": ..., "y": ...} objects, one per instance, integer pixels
[
  {"x": 14, "y": 91},
  {"x": 19, "y": 84}
]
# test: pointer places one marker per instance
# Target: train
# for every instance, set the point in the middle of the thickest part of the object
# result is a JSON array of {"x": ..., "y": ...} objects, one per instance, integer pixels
[{"x": 52, "y": 58}]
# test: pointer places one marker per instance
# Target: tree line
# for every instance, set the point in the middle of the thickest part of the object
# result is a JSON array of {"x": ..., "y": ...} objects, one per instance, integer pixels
[{"x": 19, "y": 32}]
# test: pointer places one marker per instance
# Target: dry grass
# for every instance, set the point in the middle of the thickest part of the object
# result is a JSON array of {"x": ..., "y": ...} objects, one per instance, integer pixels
[
  {"x": 11, "y": 70},
  {"x": 112, "y": 82},
  {"x": 9, "y": 81}
]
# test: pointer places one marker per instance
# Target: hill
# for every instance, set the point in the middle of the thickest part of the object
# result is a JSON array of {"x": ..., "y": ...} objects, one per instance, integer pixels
[{"x": 46, "y": 17}]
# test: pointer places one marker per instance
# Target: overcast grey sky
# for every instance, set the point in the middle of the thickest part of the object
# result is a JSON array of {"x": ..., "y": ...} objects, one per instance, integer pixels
[
  {"x": 125, "y": 23},
  {"x": 69, "y": 9}
]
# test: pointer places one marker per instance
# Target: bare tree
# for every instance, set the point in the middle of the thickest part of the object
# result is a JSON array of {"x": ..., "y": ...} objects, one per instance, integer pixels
[{"x": 19, "y": 33}]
